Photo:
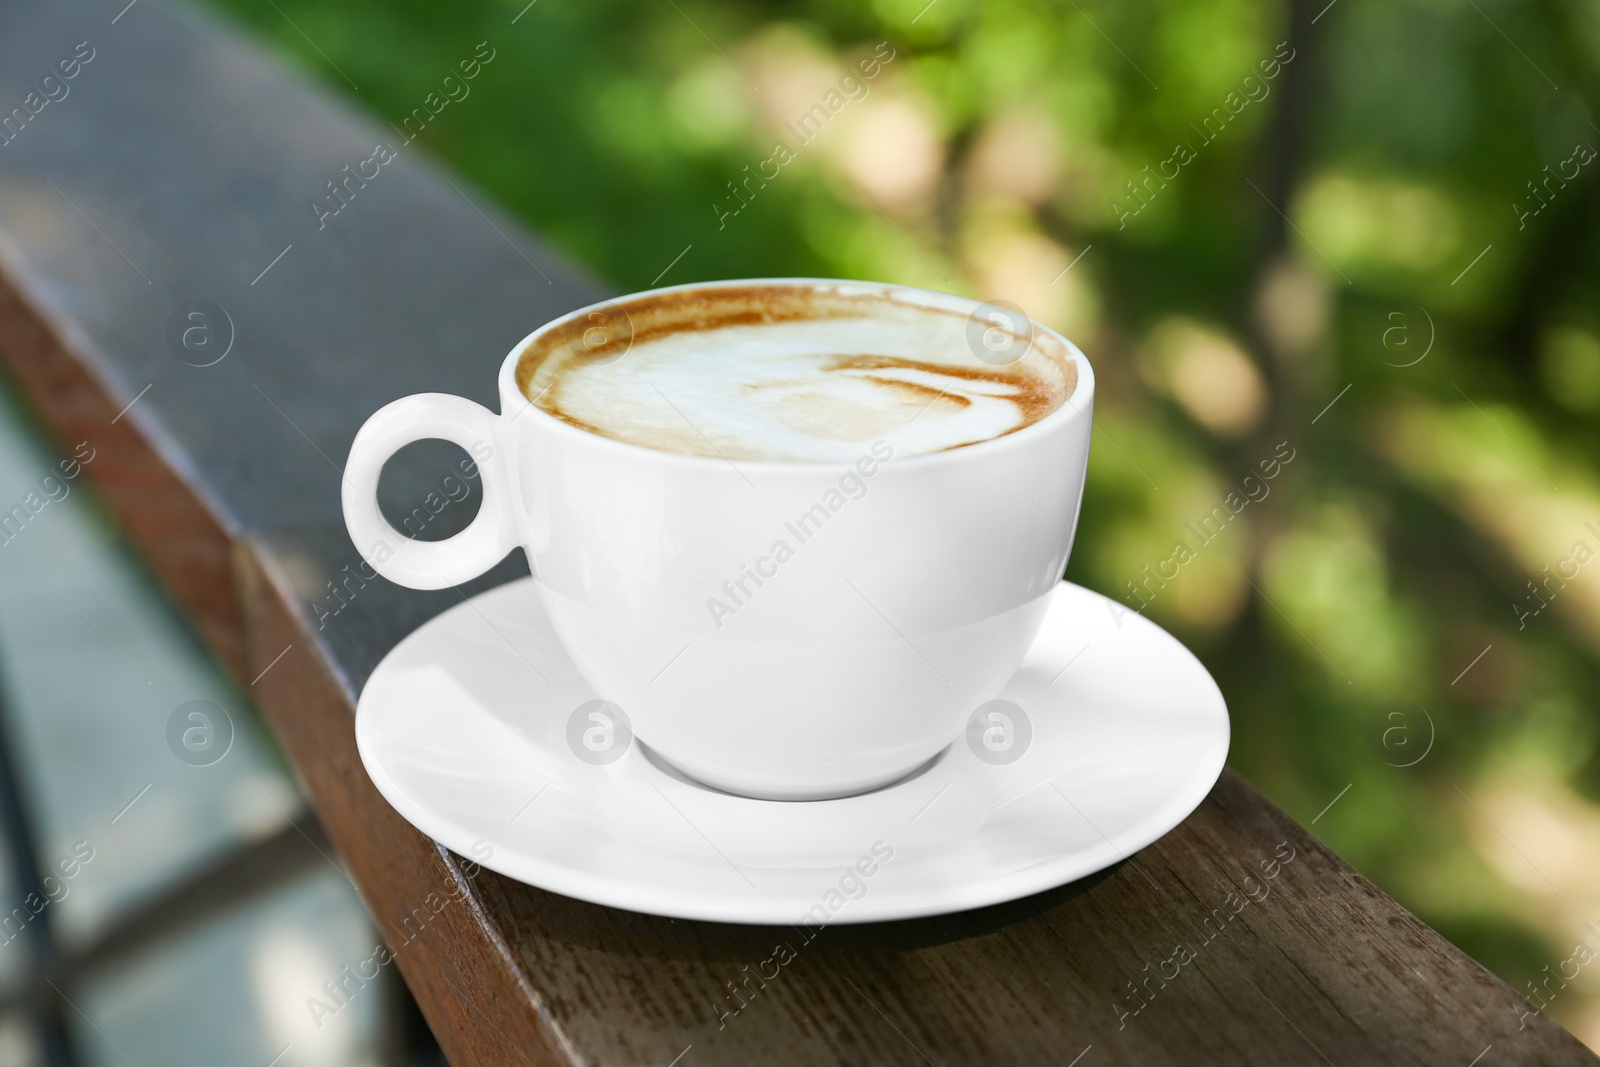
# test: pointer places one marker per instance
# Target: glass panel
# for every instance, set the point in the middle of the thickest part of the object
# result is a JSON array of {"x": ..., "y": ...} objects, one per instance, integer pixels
[
  {"x": 17, "y": 1045},
  {"x": 95, "y": 663},
  {"x": 244, "y": 990},
  {"x": 140, "y": 761}
]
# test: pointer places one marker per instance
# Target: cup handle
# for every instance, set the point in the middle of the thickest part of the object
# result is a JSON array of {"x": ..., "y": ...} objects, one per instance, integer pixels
[{"x": 399, "y": 558}]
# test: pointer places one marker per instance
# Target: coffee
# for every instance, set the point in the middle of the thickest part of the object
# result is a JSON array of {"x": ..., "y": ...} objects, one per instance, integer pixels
[{"x": 796, "y": 372}]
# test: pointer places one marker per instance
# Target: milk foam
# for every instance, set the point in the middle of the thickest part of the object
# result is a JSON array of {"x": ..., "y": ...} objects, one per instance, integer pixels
[{"x": 801, "y": 388}]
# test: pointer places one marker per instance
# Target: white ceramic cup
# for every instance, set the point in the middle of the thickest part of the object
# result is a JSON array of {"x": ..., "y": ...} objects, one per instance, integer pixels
[{"x": 906, "y": 599}]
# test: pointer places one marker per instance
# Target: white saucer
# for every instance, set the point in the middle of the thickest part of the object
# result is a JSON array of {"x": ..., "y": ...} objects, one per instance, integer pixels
[{"x": 466, "y": 736}]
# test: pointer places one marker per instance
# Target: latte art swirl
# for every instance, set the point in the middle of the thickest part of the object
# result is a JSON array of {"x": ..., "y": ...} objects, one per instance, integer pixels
[{"x": 790, "y": 374}]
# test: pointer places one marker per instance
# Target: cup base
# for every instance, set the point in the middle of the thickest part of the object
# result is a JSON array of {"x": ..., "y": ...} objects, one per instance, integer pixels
[{"x": 756, "y": 791}]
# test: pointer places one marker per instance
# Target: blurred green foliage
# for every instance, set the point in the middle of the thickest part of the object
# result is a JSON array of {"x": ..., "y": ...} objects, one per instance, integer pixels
[{"x": 1361, "y": 234}]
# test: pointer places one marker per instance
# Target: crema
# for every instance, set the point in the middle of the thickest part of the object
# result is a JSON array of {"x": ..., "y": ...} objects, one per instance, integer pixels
[{"x": 794, "y": 373}]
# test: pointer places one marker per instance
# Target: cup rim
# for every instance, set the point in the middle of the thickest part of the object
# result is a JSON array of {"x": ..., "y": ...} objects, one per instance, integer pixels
[{"x": 1077, "y": 406}]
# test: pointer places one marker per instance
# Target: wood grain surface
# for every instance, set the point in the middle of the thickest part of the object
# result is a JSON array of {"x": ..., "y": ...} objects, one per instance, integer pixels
[{"x": 181, "y": 167}]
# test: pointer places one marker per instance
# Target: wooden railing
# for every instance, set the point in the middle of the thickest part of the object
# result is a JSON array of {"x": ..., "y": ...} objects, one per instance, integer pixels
[{"x": 181, "y": 166}]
